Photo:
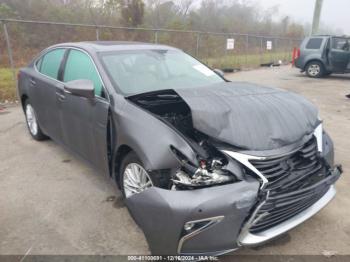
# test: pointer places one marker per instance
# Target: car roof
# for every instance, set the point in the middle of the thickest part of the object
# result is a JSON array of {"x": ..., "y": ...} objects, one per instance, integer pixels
[
  {"x": 342, "y": 36},
  {"x": 106, "y": 46}
]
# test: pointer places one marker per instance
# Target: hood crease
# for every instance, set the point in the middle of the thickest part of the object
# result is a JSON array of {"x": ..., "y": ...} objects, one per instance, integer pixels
[{"x": 250, "y": 116}]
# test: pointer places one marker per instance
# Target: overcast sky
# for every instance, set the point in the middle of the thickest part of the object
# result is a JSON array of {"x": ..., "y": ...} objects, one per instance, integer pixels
[{"x": 335, "y": 13}]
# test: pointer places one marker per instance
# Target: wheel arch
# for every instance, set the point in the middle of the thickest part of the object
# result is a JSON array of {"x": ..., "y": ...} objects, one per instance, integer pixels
[
  {"x": 314, "y": 60},
  {"x": 119, "y": 155},
  {"x": 24, "y": 98}
]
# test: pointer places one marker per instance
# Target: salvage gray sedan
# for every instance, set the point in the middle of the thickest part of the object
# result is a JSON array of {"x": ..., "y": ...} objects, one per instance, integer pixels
[{"x": 205, "y": 165}]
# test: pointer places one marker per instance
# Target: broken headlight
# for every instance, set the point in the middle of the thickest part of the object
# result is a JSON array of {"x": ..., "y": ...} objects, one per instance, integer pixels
[{"x": 209, "y": 172}]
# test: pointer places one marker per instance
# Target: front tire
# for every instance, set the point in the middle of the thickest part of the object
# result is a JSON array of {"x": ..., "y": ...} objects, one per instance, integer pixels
[
  {"x": 32, "y": 122},
  {"x": 133, "y": 178},
  {"x": 314, "y": 69}
]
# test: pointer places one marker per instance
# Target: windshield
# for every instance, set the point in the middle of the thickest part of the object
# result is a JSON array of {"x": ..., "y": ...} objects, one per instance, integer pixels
[{"x": 142, "y": 71}]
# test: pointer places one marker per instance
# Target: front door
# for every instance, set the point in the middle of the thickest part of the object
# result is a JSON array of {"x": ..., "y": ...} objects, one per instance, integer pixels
[
  {"x": 339, "y": 55},
  {"x": 84, "y": 121}
]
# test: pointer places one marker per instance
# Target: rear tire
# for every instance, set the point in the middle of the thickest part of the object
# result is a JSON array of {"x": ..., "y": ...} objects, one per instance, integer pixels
[
  {"x": 314, "y": 69},
  {"x": 32, "y": 122}
]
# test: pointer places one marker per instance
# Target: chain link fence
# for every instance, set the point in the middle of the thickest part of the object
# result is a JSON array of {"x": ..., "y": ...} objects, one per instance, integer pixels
[{"x": 21, "y": 40}]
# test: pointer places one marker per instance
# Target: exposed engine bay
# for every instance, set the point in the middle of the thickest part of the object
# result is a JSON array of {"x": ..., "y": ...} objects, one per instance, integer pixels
[{"x": 210, "y": 170}]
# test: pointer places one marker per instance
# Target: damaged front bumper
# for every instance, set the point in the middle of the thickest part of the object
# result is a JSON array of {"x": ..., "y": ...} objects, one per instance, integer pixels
[
  {"x": 221, "y": 214},
  {"x": 219, "y": 219},
  {"x": 249, "y": 239},
  {"x": 217, "y": 214},
  {"x": 246, "y": 238}
]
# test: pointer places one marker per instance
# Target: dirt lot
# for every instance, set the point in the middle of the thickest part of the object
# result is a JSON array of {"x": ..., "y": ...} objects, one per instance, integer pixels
[{"x": 53, "y": 203}]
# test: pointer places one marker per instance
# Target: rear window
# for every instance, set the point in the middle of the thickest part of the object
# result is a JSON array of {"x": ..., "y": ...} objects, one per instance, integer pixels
[
  {"x": 314, "y": 43},
  {"x": 51, "y": 62}
]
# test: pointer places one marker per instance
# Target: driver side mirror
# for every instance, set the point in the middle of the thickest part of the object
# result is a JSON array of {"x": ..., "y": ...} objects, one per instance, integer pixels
[
  {"x": 81, "y": 87},
  {"x": 219, "y": 72}
]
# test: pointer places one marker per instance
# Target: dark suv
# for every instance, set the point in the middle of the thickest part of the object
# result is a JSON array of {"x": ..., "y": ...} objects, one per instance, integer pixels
[{"x": 322, "y": 55}]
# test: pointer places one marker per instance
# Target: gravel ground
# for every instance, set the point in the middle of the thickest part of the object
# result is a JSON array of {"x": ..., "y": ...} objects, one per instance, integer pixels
[{"x": 51, "y": 202}]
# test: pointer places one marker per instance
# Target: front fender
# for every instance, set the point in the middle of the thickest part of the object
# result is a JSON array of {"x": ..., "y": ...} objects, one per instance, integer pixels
[{"x": 149, "y": 137}]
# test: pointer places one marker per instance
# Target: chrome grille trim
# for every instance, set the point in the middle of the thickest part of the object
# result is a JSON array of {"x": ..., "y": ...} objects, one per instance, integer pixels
[
  {"x": 245, "y": 160},
  {"x": 315, "y": 197},
  {"x": 248, "y": 239}
]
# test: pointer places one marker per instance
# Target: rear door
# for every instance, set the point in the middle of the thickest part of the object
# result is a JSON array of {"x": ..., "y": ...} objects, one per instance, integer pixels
[
  {"x": 339, "y": 54},
  {"x": 84, "y": 121},
  {"x": 44, "y": 84}
]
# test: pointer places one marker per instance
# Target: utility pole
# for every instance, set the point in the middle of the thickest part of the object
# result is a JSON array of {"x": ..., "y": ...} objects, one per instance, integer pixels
[{"x": 317, "y": 15}]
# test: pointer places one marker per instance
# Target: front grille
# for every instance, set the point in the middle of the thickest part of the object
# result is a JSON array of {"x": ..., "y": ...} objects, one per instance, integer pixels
[{"x": 296, "y": 182}]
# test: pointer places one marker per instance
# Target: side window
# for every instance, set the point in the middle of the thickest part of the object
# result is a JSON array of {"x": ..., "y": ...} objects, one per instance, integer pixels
[
  {"x": 50, "y": 63},
  {"x": 340, "y": 44},
  {"x": 38, "y": 64},
  {"x": 314, "y": 43},
  {"x": 80, "y": 66}
]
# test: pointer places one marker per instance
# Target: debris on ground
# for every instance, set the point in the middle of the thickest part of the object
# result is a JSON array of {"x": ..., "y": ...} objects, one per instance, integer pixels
[
  {"x": 329, "y": 253},
  {"x": 272, "y": 64},
  {"x": 230, "y": 70},
  {"x": 266, "y": 64},
  {"x": 111, "y": 199}
]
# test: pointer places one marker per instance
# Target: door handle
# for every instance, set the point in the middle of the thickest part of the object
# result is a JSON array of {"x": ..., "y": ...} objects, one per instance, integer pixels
[
  {"x": 60, "y": 92},
  {"x": 32, "y": 82},
  {"x": 60, "y": 96}
]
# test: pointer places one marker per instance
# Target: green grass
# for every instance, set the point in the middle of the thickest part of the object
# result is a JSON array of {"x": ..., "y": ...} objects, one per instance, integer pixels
[
  {"x": 7, "y": 85},
  {"x": 246, "y": 61}
]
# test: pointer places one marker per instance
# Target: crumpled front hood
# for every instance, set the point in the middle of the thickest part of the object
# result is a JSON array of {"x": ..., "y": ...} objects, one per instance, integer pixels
[{"x": 250, "y": 116}]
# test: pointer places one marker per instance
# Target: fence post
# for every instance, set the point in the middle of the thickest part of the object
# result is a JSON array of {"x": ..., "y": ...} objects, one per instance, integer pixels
[
  {"x": 225, "y": 53},
  {"x": 9, "y": 52},
  {"x": 197, "y": 44},
  {"x": 247, "y": 50},
  {"x": 285, "y": 50},
  {"x": 97, "y": 34},
  {"x": 276, "y": 50},
  {"x": 261, "y": 50},
  {"x": 156, "y": 37}
]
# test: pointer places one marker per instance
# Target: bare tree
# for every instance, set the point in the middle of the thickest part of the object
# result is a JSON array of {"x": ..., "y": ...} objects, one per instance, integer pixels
[{"x": 184, "y": 6}]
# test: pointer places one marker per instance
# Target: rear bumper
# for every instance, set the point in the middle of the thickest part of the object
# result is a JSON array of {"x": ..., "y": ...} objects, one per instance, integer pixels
[{"x": 298, "y": 64}]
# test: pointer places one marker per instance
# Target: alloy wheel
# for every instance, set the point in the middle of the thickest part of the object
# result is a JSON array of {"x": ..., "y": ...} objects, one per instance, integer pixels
[
  {"x": 135, "y": 179},
  {"x": 314, "y": 70},
  {"x": 31, "y": 120}
]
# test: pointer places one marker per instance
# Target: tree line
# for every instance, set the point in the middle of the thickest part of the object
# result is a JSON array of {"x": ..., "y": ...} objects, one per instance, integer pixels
[
  {"x": 237, "y": 16},
  {"x": 225, "y": 16}
]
